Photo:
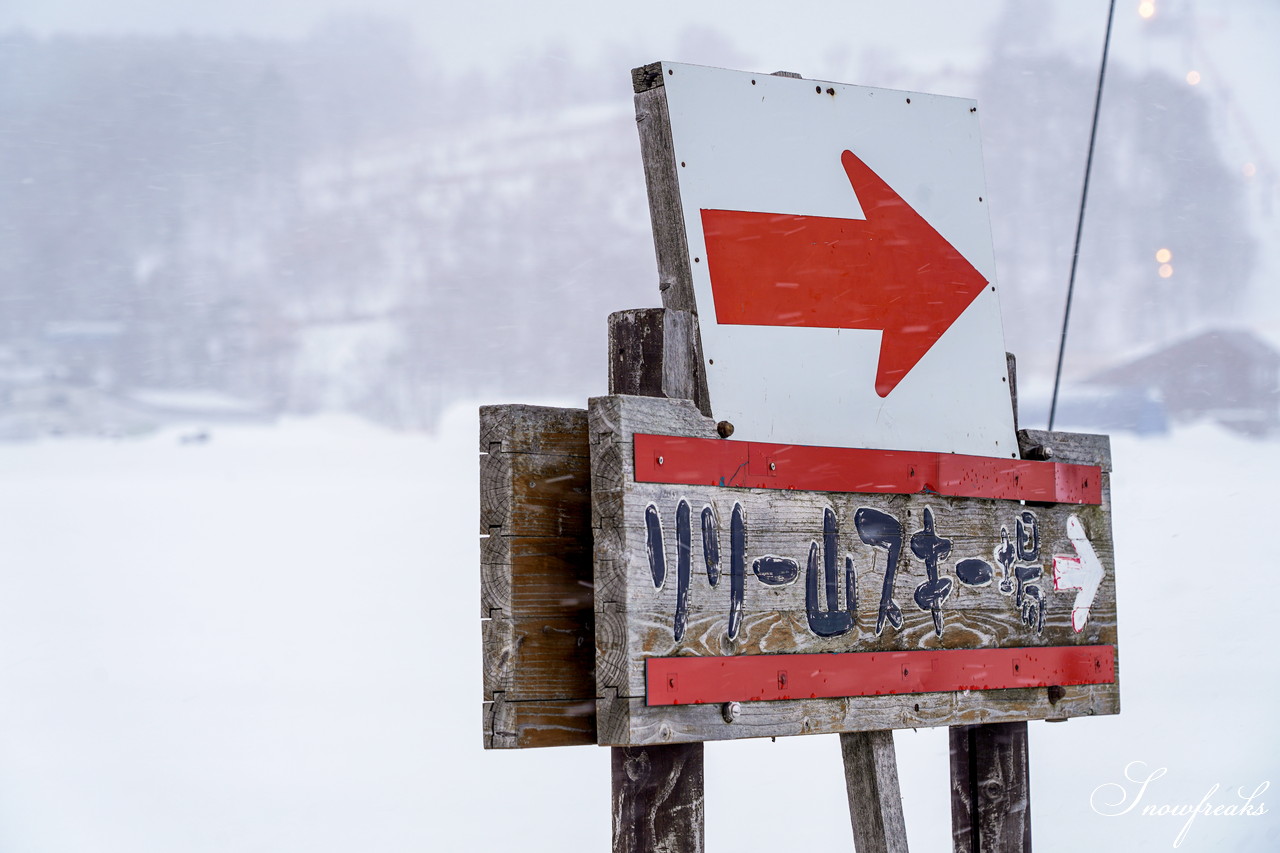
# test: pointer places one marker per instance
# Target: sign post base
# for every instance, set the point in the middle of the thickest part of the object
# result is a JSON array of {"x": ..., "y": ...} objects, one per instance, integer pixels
[
  {"x": 990, "y": 788},
  {"x": 875, "y": 801}
]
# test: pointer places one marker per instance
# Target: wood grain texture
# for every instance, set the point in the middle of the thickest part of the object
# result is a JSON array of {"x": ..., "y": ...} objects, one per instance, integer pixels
[
  {"x": 536, "y": 590},
  {"x": 623, "y": 720},
  {"x": 653, "y": 353},
  {"x": 534, "y": 723},
  {"x": 1076, "y": 448},
  {"x": 671, "y": 249},
  {"x": 636, "y": 339},
  {"x": 990, "y": 788},
  {"x": 683, "y": 374},
  {"x": 646, "y": 77},
  {"x": 653, "y": 119},
  {"x": 518, "y": 428},
  {"x": 657, "y": 799},
  {"x": 1011, "y": 362},
  {"x": 538, "y": 657},
  {"x": 875, "y": 801},
  {"x": 635, "y": 619},
  {"x": 657, "y": 791}
]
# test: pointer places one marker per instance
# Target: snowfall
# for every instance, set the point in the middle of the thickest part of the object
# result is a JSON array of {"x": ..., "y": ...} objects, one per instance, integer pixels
[{"x": 266, "y": 638}]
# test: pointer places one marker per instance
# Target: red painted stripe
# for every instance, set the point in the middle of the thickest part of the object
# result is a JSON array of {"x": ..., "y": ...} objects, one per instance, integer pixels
[
  {"x": 762, "y": 678},
  {"x": 756, "y": 465}
]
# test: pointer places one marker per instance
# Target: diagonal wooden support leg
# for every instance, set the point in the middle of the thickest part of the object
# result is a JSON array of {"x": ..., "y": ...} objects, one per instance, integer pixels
[
  {"x": 657, "y": 799},
  {"x": 990, "y": 789},
  {"x": 875, "y": 802}
]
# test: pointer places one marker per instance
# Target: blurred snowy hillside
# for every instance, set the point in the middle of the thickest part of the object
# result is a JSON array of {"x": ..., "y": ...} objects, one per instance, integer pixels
[{"x": 340, "y": 222}]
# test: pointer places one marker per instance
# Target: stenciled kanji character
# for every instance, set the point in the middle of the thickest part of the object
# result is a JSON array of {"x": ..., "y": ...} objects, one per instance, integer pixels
[
  {"x": 881, "y": 530},
  {"x": 930, "y": 547}
]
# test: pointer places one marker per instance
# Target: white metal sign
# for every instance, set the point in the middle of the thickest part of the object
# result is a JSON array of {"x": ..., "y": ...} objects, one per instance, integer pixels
[{"x": 842, "y": 264}]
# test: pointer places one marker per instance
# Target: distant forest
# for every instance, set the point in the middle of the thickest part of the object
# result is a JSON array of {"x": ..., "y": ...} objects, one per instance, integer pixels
[{"x": 335, "y": 224}]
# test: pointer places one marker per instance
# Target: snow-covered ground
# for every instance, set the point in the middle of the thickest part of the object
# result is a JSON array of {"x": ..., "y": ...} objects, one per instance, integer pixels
[{"x": 269, "y": 641}]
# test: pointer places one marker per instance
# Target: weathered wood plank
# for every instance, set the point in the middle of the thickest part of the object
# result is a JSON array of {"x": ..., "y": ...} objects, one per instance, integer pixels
[
  {"x": 623, "y": 721},
  {"x": 519, "y": 428},
  {"x": 657, "y": 791},
  {"x": 990, "y": 788},
  {"x": 875, "y": 802},
  {"x": 683, "y": 376},
  {"x": 536, "y": 590},
  {"x": 533, "y": 494},
  {"x": 774, "y": 633},
  {"x": 657, "y": 799},
  {"x": 646, "y": 77},
  {"x": 535, "y": 576},
  {"x": 635, "y": 352},
  {"x": 653, "y": 119},
  {"x": 638, "y": 618},
  {"x": 654, "y": 353},
  {"x": 1076, "y": 448},
  {"x": 541, "y": 657},
  {"x": 534, "y": 723},
  {"x": 989, "y": 764},
  {"x": 1012, "y": 362}
]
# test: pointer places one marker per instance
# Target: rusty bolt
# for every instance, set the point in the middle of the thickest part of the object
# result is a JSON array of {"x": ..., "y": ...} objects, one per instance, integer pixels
[{"x": 725, "y": 429}]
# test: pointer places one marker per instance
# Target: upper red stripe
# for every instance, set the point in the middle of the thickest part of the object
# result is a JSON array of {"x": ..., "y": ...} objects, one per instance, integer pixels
[{"x": 757, "y": 465}]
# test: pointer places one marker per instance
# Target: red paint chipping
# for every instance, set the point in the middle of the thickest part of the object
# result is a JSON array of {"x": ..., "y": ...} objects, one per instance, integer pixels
[
  {"x": 759, "y": 465},
  {"x": 753, "y": 678}
]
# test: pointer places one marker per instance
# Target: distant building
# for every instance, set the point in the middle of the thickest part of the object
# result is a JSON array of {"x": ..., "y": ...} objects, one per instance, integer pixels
[{"x": 1230, "y": 376}]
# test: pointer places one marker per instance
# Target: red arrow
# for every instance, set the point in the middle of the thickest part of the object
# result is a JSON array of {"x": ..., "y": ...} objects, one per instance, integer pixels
[{"x": 891, "y": 271}]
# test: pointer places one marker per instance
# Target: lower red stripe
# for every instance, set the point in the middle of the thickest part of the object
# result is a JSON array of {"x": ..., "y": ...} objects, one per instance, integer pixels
[{"x": 755, "y": 678}]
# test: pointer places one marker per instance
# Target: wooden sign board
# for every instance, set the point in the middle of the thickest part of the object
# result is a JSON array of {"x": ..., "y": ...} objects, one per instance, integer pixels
[
  {"x": 536, "y": 602},
  {"x": 726, "y": 612}
]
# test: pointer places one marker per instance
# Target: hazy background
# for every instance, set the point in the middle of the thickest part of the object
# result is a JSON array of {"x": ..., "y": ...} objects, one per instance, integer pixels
[
  {"x": 299, "y": 207},
  {"x": 259, "y": 262}
]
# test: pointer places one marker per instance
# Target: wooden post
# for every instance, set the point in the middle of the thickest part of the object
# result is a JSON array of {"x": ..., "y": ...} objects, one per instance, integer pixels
[
  {"x": 653, "y": 352},
  {"x": 990, "y": 788},
  {"x": 657, "y": 790},
  {"x": 990, "y": 768},
  {"x": 657, "y": 799},
  {"x": 875, "y": 801}
]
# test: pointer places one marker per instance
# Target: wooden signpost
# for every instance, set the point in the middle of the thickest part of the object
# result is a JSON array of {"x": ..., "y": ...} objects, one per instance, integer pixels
[{"x": 656, "y": 574}]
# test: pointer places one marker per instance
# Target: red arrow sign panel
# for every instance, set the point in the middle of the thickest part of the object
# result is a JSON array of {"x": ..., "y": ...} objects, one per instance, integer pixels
[{"x": 891, "y": 271}]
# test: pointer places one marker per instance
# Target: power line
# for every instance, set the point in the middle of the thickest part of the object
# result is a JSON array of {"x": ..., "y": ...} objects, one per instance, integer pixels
[{"x": 1084, "y": 195}]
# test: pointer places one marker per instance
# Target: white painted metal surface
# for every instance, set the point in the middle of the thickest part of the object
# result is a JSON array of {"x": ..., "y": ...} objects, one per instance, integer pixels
[{"x": 756, "y": 142}]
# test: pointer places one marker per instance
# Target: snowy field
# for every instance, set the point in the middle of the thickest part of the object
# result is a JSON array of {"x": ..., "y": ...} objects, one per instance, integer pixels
[{"x": 269, "y": 641}]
